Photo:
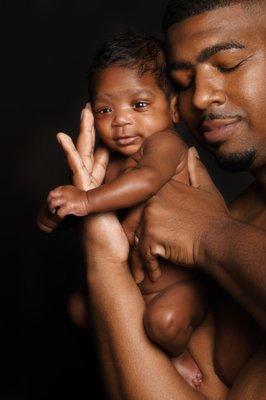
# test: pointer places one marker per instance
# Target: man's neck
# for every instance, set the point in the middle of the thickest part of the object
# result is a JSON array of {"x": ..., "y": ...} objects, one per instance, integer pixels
[{"x": 260, "y": 176}]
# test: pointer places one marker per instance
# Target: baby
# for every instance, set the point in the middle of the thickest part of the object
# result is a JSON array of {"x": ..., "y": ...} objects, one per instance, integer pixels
[{"x": 135, "y": 109}]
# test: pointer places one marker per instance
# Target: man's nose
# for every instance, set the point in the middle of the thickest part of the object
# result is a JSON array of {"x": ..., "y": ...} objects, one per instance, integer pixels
[
  {"x": 122, "y": 117},
  {"x": 209, "y": 90}
]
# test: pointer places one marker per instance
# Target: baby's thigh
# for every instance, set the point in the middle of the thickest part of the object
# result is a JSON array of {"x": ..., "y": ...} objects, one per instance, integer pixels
[{"x": 180, "y": 304}]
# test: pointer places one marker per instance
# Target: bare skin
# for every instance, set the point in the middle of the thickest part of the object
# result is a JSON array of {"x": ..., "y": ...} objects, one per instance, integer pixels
[
  {"x": 101, "y": 250},
  {"x": 144, "y": 161},
  {"x": 231, "y": 247},
  {"x": 218, "y": 82},
  {"x": 234, "y": 247}
]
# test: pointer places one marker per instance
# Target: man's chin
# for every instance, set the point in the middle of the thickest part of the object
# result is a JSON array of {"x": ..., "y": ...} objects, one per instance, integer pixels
[{"x": 235, "y": 162}]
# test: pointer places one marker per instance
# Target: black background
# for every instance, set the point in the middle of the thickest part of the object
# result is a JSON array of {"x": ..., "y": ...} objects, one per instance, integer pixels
[{"x": 46, "y": 46}]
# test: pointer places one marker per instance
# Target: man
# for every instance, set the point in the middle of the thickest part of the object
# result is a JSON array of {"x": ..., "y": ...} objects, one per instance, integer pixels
[{"x": 217, "y": 57}]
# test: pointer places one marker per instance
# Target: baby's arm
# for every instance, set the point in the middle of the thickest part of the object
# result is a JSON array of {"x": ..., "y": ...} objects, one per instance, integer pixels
[{"x": 162, "y": 154}]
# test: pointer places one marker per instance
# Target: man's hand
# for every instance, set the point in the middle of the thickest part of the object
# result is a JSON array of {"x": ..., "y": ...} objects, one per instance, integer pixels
[
  {"x": 87, "y": 168},
  {"x": 176, "y": 221}
]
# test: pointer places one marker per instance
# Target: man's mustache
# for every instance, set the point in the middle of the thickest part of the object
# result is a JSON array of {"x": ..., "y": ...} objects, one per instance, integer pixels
[{"x": 211, "y": 116}]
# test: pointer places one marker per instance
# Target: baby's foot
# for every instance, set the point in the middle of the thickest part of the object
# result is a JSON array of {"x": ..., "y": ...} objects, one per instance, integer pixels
[{"x": 188, "y": 369}]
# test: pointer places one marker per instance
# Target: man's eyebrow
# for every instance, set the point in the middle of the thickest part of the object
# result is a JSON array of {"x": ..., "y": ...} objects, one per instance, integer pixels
[
  {"x": 204, "y": 55},
  {"x": 207, "y": 53}
]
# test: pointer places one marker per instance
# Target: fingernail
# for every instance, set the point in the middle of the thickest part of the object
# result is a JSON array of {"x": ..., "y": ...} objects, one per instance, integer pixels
[
  {"x": 195, "y": 152},
  {"x": 88, "y": 105}
]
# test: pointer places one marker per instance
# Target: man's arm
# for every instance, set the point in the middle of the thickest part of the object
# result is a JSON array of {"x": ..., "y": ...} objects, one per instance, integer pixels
[
  {"x": 235, "y": 255},
  {"x": 198, "y": 231},
  {"x": 143, "y": 371}
]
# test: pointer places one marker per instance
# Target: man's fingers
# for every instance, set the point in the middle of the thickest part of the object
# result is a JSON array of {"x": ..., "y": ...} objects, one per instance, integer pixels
[
  {"x": 80, "y": 175},
  {"x": 131, "y": 222},
  {"x": 73, "y": 158},
  {"x": 198, "y": 174},
  {"x": 149, "y": 257},
  {"x": 136, "y": 266},
  {"x": 152, "y": 266},
  {"x": 101, "y": 158},
  {"x": 86, "y": 138}
]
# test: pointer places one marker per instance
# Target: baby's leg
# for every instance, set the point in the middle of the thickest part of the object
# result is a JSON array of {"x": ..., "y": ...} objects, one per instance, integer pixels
[{"x": 171, "y": 317}]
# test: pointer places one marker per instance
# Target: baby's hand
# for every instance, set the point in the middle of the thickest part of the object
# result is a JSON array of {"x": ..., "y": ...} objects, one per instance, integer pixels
[
  {"x": 68, "y": 200},
  {"x": 46, "y": 221}
]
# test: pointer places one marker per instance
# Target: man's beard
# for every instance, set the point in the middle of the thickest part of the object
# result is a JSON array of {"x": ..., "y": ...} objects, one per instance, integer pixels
[{"x": 236, "y": 161}]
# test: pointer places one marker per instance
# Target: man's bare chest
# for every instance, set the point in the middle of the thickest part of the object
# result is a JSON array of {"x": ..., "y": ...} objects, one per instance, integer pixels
[{"x": 250, "y": 207}]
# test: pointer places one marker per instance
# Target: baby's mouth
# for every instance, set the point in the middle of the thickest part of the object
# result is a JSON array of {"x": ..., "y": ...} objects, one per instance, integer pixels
[{"x": 126, "y": 140}]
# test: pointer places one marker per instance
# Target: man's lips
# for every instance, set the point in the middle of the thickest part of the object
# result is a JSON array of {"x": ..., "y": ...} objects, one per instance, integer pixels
[
  {"x": 126, "y": 140},
  {"x": 218, "y": 130}
]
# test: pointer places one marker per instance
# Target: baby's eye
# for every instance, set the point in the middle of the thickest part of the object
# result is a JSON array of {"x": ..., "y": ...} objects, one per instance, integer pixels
[
  {"x": 140, "y": 104},
  {"x": 105, "y": 110}
]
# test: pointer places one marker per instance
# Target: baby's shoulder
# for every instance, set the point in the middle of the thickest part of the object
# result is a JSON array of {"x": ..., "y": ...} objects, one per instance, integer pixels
[
  {"x": 166, "y": 134},
  {"x": 164, "y": 141},
  {"x": 114, "y": 168}
]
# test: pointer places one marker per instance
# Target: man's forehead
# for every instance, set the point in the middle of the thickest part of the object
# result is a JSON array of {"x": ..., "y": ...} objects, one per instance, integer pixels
[{"x": 209, "y": 29}]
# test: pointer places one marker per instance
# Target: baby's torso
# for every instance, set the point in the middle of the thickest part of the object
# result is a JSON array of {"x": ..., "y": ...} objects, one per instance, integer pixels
[{"x": 171, "y": 273}]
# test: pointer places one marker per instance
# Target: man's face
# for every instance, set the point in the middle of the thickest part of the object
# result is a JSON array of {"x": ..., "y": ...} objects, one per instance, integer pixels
[
  {"x": 218, "y": 61},
  {"x": 128, "y": 108}
]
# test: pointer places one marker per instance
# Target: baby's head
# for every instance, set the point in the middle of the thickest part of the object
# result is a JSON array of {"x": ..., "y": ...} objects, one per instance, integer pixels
[{"x": 131, "y": 95}]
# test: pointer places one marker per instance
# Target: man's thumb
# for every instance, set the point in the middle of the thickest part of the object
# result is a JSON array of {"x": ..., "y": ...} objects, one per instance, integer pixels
[{"x": 198, "y": 174}]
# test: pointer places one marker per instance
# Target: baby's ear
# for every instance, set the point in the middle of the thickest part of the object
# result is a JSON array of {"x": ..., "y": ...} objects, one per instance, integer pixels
[{"x": 174, "y": 108}]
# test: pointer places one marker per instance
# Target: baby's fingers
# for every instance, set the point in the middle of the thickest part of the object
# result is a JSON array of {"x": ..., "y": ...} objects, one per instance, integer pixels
[
  {"x": 55, "y": 200},
  {"x": 46, "y": 221},
  {"x": 63, "y": 211}
]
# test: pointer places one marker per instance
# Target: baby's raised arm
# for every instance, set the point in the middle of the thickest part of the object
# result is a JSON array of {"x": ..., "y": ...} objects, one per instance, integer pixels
[
  {"x": 163, "y": 155},
  {"x": 160, "y": 156}
]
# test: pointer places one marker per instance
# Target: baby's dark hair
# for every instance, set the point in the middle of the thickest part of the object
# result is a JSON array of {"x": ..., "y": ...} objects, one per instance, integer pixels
[
  {"x": 143, "y": 52},
  {"x": 179, "y": 10}
]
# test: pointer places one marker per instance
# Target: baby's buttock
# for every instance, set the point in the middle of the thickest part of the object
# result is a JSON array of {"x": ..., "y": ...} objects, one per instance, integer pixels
[{"x": 171, "y": 273}]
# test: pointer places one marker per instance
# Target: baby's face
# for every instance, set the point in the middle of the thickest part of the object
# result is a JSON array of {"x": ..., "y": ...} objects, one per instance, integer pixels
[{"x": 128, "y": 108}]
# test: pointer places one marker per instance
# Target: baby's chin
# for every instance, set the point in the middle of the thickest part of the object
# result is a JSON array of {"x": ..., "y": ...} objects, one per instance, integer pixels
[{"x": 128, "y": 150}]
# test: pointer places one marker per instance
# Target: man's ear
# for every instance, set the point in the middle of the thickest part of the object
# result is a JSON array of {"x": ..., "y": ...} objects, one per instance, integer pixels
[{"x": 174, "y": 108}]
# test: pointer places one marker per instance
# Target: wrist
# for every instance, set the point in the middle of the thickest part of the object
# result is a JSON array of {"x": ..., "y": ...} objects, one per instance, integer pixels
[
  {"x": 89, "y": 202},
  {"x": 213, "y": 242},
  {"x": 104, "y": 240}
]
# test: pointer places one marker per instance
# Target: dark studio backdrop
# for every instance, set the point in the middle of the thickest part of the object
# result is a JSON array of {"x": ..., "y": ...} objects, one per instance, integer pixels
[{"x": 46, "y": 47}]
